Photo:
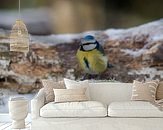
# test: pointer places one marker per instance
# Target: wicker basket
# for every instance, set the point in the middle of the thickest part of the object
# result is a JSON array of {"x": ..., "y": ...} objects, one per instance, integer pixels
[{"x": 19, "y": 37}]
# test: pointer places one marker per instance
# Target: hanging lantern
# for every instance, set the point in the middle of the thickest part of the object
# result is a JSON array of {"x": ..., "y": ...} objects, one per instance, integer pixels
[{"x": 19, "y": 37}]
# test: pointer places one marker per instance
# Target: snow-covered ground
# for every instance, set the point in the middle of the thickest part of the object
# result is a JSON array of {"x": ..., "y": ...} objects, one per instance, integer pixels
[
  {"x": 152, "y": 72},
  {"x": 5, "y": 94}
]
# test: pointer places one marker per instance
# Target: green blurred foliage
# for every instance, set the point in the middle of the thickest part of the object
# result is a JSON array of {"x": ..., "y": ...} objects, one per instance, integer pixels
[{"x": 13, "y": 4}]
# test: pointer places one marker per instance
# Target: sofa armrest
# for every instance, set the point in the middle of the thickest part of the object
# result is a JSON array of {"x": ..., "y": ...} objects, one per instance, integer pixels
[{"x": 36, "y": 103}]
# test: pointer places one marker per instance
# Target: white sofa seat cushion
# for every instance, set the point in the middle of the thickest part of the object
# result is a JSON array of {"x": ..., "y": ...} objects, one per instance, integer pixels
[
  {"x": 133, "y": 109},
  {"x": 74, "y": 109}
]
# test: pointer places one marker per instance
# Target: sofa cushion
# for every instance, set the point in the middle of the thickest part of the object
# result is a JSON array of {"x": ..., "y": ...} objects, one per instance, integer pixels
[
  {"x": 72, "y": 84},
  {"x": 49, "y": 85},
  {"x": 159, "y": 93},
  {"x": 74, "y": 109},
  {"x": 133, "y": 109},
  {"x": 144, "y": 91},
  {"x": 70, "y": 95}
]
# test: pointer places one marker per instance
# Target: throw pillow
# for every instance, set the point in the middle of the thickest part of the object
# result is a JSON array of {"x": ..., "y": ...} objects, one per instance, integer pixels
[
  {"x": 159, "y": 93},
  {"x": 70, "y": 95},
  {"x": 71, "y": 84},
  {"x": 144, "y": 91},
  {"x": 49, "y": 85}
]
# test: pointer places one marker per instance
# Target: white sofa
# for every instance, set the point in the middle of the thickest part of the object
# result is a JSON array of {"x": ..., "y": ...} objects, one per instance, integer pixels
[{"x": 121, "y": 113}]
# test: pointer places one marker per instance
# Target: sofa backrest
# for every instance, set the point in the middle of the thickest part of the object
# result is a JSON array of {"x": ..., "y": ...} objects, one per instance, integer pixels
[{"x": 107, "y": 92}]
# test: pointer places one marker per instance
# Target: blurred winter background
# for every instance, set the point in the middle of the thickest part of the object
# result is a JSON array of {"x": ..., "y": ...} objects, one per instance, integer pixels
[
  {"x": 74, "y": 16},
  {"x": 56, "y": 27}
]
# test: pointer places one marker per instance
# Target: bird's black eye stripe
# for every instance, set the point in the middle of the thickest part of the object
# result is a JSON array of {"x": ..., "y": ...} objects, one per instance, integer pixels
[{"x": 87, "y": 43}]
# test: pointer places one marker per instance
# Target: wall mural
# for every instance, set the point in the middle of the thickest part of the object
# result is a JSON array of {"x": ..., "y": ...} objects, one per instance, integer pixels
[
  {"x": 120, "y": 55},
  {"x": 133, "y": 56}
]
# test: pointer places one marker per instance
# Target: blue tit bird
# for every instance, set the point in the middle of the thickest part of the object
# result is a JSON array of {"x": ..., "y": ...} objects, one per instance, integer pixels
[{"x": 91, "y": 56}]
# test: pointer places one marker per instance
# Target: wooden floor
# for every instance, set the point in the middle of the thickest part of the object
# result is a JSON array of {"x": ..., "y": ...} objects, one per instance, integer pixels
[{"x": 8, "y": 126}]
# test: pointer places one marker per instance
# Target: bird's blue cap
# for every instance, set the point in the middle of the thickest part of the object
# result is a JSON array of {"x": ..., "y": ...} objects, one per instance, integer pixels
[{"x": 88, "y": 39}]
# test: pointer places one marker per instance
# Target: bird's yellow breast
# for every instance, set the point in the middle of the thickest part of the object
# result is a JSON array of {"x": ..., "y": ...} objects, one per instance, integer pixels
[{"x": 96, "y": 60}]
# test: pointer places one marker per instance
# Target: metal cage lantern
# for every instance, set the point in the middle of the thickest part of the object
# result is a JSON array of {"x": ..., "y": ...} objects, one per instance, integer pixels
[{"x": 19, "y": 37}]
